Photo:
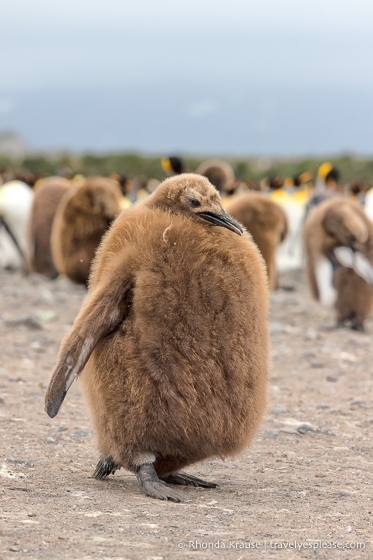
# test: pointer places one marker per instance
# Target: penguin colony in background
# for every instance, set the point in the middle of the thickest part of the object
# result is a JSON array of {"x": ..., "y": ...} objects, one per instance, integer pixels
[
  {"x": 171, "y": 344},
  {"x": 267, "y": 223},
  {"x": 82, "y": 218},
  {"x": 47, "y": 196},
  {"x": 338, "y": 240}
]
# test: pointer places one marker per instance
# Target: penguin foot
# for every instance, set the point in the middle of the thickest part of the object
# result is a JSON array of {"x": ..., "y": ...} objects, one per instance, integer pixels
[
  {"x": 153, "y": 486},
  {"x": 104, "y": 467},
  {"x": 357, "y": 326},
  {"x": 185, "y": 479}
]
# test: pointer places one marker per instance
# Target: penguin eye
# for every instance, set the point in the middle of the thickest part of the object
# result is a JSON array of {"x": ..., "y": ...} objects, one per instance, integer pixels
[{"x": 194, "y": 202}]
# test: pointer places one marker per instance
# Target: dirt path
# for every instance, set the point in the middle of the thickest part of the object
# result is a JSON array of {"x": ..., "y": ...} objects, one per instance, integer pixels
[{"x": 296, "y": 483}]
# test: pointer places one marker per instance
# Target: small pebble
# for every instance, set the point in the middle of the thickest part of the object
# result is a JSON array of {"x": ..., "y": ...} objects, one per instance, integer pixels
[
  {"x": 271, "y": 433},
  {"x": 326, "y": 431},
  {"x": 316, "y": 365},
  {"x": 288, "y": 454},
  {"x": 359, "y": 403},
  {"x": 303, "y": 428},
  {"x": 322, "y": 406},
  {"x": 289, "y": 431},
  {"x": 62, "y": 428},
  {"x": 348, "y": 357},
  {"x": 2, "y": 400},
  {"x": 345, "y": 494},
  {"x": 279, "y": 410},
  {"x": 81, "y": 433},
  {"x": 331, "y": 379},
  {"x": 15, "y": 549},
  {"x": 20, "y": 462},
  {"x": 50, "y": 440},
  {"x": 31, "y": 514}
]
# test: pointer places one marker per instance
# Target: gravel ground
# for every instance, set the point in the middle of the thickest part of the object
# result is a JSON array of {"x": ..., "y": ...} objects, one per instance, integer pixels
[{"x": 305, "y": 481}]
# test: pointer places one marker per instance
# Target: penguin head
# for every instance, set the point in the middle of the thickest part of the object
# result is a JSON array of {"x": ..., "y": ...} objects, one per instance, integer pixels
[
  {"x": 275, "y": 183},
  {"x": 172, "y": 165},
  {"x": 343, "y": 223},
  {"x": 194, "y": 197},
  {"x": 324, "y": 169}
]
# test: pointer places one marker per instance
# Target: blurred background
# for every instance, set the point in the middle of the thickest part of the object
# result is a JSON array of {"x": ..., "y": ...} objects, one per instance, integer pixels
[{"x": 274, "y": 86}]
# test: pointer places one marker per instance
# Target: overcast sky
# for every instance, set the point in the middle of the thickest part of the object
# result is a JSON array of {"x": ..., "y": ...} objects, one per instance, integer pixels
[{"x": 201, "y": 76}]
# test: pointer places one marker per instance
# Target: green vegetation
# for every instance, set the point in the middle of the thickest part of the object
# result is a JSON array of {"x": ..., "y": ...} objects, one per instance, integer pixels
[{"x": 130, "y": 164}]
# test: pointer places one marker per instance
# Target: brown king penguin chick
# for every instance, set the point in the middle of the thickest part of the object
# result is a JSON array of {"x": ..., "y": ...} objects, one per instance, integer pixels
[
  {"x": 82, "y": 218},
  {"x": 171, "y": 344},
  {"x": 267, "y": 223},
  {"x": 338, "y": 239},
  {"x": 47, "y": 196}
]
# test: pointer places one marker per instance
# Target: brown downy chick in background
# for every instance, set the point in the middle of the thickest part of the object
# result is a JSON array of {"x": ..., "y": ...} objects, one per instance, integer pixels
[
  {"x": 47, "y": 196},
  {"x": 83, "y": 217},
  {"x": 171, "y": 344},
  {"x": 338, "y": 240},
  {"x": 267, "y": 223}
]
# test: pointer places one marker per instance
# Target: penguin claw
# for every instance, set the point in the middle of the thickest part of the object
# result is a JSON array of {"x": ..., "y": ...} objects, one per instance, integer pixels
[
  {"x": 160, "y": 491},
  {"x": 185, "y": 479},
  {"x": 104, "y": 467}
]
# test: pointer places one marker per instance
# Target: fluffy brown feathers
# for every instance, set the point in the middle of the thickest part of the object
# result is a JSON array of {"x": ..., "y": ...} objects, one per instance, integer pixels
[
  {"x": 267, "y": 223},
  {"x": 338, "y": 240},
  {"x": 48, "y": 194},
  {"x": 172, "y": 339},
  {"x": 83, "y": 217}
]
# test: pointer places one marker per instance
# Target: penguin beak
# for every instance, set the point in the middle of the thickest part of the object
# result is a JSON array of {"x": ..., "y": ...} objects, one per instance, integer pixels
[{"x": 223, "y": 220}]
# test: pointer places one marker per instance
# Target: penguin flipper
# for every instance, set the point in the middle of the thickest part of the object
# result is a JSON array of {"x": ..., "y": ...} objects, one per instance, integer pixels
[
  {"x": 103, "y": 310},
  {"x": 355, "y": 260},
  {"x": 104, "y": 467}
]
